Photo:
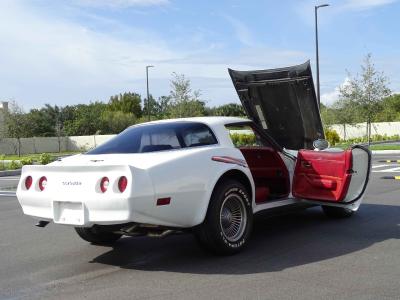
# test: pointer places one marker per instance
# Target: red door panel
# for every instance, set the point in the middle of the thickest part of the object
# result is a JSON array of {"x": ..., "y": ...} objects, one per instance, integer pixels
[{"x": 323, "y": 176}]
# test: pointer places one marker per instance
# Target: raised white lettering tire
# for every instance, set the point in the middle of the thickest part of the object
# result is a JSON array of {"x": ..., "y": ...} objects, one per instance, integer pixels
[{"x": 228, "y": 223}]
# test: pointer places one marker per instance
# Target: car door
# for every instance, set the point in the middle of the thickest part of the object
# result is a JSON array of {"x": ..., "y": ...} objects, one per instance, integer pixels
[{"x": 332, "y": 176}]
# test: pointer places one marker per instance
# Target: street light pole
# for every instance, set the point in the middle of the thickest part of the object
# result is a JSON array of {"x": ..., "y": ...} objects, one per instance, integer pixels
[
  {"x": 317, "y": 52},
  {"x": 148, "y": 94}
]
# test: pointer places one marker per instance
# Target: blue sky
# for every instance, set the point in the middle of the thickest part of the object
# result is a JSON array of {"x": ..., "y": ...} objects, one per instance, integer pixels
[{"x": 76, "y": 51}]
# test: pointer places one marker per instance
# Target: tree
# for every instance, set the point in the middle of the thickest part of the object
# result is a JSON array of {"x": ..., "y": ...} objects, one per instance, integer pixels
[
  {"x": 230, "y": 109},
  {"x": 159, "y": 109},
  {"x": 149, "y": 107},
  {"x": 390, "y": 109},
  {"x": 163, "y": 107},
  {"x": 86, "y": 119},
  {"x": 114, "y": 122},
  {"x": 346, "y": 112},
  {"x": 327, "y": 115},
  {"x": 184, "y": 101},
  {"x": 366, "y": 92},
  {"x": 41, "y": 123},
  {"x": 17, "y": 124},
  {"x": 126, "y": 103}
]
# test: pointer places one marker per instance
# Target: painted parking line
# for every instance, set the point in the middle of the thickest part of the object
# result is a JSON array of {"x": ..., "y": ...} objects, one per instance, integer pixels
[
  {"x": 391, "y": 177},
  {"x": 385, "y": 168},
  {"x": 7, "y": 194},
  {"x": 10, "y": 177},
  {"x": 390, "y": 170},
  {"x": 381, "y": 166},
  {"x": 390, "y": 161}
]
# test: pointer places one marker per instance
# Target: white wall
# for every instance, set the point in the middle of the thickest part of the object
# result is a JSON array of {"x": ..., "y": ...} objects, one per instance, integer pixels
[
  {"x": 51, "y": 144},
  {"x": 360, "y": 129}
]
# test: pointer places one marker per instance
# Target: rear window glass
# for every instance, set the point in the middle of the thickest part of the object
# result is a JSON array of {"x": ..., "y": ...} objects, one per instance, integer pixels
[{"x": 158, "y": 137}]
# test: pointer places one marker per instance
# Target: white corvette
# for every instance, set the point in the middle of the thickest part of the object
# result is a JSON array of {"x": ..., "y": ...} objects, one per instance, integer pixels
[{"x": 206, "y": 175}]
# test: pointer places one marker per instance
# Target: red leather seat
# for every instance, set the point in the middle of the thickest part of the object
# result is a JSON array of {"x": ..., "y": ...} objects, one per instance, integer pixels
[{"x": 269, "y": 172}]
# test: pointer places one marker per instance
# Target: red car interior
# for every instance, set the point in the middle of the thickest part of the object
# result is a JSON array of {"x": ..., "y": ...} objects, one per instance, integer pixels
[
  {"x": 269, "y": 172},
  {"x": 322, "y": 175}
]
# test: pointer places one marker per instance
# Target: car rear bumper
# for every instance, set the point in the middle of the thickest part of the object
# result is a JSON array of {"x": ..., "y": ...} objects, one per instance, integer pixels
[
  {"x": 83, "y": 211},
  {"x": 78, "y": 212}
]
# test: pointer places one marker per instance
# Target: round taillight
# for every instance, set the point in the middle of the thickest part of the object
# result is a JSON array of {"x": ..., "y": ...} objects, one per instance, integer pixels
[
  {"x": 28, "y": 182},
  {"x": 104, "y": 184},
  {"x": 42, "y": 183},
  {"x": 122, "y": 184}
]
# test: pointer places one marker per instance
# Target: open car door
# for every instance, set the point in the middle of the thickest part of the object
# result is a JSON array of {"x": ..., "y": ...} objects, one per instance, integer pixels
[{"x": 339, "y": 177}]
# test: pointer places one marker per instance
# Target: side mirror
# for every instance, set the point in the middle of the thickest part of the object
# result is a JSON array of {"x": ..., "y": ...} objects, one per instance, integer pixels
[{"x": 320, "y": 144}]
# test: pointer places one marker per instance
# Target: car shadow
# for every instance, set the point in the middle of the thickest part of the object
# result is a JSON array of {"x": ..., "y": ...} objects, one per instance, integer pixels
[{"x": 277, "y": 243}]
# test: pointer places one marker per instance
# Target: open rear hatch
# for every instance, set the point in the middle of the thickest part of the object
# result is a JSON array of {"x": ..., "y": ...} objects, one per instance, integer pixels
[{"x": 283, "y": 102}]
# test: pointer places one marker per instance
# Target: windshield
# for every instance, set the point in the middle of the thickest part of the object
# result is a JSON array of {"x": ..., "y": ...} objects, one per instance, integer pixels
[{"x": 158, "y": 137}]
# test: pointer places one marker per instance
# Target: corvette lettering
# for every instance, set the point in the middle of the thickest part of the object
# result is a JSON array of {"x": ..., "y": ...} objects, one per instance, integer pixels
[{"x": 71, "y": 183}]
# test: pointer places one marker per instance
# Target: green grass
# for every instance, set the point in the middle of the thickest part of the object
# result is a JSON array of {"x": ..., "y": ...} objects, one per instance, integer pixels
[
  {"x": 372, "y": 147},
  {"x": 341, "y": 145},
  {"x": 385, "y": 147},
  {"x": 35, "y": 157}
]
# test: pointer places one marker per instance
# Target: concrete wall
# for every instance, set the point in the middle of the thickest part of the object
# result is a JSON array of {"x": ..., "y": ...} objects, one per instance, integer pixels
[
  {"x": 360, "y": 129},
  {"x": 51, "y": 144}
]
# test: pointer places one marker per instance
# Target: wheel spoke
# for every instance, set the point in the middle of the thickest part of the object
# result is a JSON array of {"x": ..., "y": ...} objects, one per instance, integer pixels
[{"x": 233, "y": 217}]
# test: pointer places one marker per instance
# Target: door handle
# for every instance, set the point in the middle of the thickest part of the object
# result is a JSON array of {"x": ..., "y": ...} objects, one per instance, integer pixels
[{"x": 306, "y": 164}]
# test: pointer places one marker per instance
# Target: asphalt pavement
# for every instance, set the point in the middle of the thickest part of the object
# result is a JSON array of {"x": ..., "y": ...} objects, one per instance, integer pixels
[
  {"x": 303, "y": 255},
  {"x": 8, "y": 183}
]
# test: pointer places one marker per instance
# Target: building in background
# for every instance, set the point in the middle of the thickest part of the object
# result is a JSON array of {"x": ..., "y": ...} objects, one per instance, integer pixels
[{"x": 3, "y": 112}]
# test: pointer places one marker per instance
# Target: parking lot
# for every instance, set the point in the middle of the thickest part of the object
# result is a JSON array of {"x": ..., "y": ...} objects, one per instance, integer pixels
[{"x": 303, "y": 255}]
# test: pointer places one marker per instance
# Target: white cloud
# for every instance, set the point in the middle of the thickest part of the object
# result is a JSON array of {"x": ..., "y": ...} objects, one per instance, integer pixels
[
  {"x": 121, "y": 3},
  {"x": 331, "y": 97},
  {"x": 59, "y": 61},
  {"x": 242, "y": 32},
  {"x": 54, "y": 60},
  {"x": 365, "y": 4},
  {"x": 305, "y": 8}
]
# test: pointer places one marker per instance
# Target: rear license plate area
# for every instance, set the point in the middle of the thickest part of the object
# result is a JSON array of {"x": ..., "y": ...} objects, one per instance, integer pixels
[{"x": 71, "y": 213}]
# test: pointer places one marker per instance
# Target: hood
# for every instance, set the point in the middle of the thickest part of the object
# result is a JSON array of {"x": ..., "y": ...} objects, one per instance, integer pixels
[{"x": 282, "y": 102}]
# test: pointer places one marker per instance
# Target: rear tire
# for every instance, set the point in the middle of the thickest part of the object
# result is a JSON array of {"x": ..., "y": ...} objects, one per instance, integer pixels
[
  {"x": 337, "y": 212},
  {"x": 96, "y": 235},
  {"x": 229, "y": 219}
]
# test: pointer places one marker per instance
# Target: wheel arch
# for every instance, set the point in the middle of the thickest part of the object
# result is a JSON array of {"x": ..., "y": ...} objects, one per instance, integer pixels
[{"x": 235, "y": 174}]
